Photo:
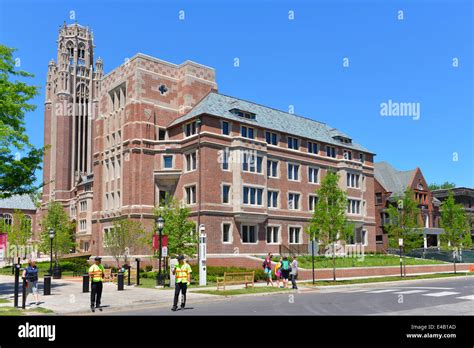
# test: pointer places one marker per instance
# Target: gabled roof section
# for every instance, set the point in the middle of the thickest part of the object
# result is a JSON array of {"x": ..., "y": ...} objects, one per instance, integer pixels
[
  {"x": 18, "y": 202},
  {"x": 221, "y": 105},
  {"x": 393, "y": 180}
]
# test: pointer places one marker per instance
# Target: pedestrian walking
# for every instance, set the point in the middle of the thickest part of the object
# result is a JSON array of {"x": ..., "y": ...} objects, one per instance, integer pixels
[
  {"x": 96, "y": 273},
  {"x": 182, "y": 272},
  {"x": 294, "y": 272},
  {"x": 267, "y": 268},
  {"x": 285, "y": 271},
  {"x": 278, "y": 273},
  {"x": 30, "y": 273}
]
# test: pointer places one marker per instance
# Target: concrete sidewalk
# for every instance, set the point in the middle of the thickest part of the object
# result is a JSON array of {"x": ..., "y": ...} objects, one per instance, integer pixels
[{"x": 67, "y": 296}]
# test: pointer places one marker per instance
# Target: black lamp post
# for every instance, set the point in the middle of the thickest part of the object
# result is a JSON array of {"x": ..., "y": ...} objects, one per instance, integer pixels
[
  {"x": 160, "y": 223},
  {"x": 51, "y": 237}
]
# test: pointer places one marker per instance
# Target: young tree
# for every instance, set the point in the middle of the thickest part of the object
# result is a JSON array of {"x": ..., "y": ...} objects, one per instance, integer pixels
[
  {"x": 404, "y": 223},
  {"x": 329, "y": 222},
  {"x": 20, "y": 232},
  {"x": 457, "y": 233},
  {"x": 125, "y": 235},
  {"x": 178, "y": 227},
  {"x": 57, "y": 219},
  {"x": 16, "y": 171}
]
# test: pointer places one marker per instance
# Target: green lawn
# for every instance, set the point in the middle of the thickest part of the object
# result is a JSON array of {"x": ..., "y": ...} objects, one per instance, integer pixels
[
  {"x": 151, "y": 283},
  {"x": 249, "y": 290},
  {"x": 363, "y": 261},
  {"x": 387, "y": 279},
  {"x": 3, "y": 300},
  {"x": 9, "y": 311}
]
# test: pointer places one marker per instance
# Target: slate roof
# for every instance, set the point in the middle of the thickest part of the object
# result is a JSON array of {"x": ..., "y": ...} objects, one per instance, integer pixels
[
  {"x": 393, "y": 180},
  {"x": 219, "y": 105},
  {"x": 17, "y": 202}
]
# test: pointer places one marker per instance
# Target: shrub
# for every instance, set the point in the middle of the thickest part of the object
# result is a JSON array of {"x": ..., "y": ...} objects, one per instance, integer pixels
[{"x": 148, "y": 268}]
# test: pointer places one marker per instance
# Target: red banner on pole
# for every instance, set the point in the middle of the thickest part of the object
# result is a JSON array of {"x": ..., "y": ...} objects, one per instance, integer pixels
[{"x": 164, "y": 241}]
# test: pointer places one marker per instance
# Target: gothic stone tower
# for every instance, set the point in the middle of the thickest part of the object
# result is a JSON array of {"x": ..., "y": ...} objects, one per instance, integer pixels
[{"x": 72, "y": 90}]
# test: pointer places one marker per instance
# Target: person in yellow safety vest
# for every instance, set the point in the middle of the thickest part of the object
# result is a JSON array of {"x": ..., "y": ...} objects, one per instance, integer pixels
[
  {"x": 96, "y": 273},
  {"x": 182, "y": 272}
]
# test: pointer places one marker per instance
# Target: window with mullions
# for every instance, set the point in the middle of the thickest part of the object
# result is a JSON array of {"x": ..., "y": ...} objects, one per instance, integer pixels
[
  {"x": 249, "y": 234},
  {"x": 272, "y": 169},
  {"x": 247, "y": 132},
  {"x": 312, "y": 147},
  {"x": 293, "y": 143},
  {"x": 251, "y": 163},
  {"x": 252, "y": 195}
]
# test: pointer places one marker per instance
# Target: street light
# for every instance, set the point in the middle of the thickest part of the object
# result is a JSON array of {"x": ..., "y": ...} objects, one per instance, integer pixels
[
  {"x": 160, "y": 224},
  {"x": 51, "y": 237}
]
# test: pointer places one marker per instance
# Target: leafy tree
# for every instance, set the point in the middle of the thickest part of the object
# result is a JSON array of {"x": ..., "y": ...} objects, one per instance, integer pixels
[
  {"x": 20, "y": 232},
  {"x": 16, "y": 173},
  {"x": 404, "y": 222},
  {"x": 457, "y": 233},
  {"x": 329, "y": 222},
  {"x": 125, "y": 235},
  {"x": 178, "y": 227},
  {"x": 446, "y": 185},
  {"x": 57, "y": 219}
]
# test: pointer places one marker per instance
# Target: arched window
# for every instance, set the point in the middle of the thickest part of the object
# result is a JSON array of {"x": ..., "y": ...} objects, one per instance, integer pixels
[
  {"x": 82, "y": 51},
  {"x": 70, "y": 49},
  {"x": 26, "y": 223},
  {"x": 8, "y": 218}
]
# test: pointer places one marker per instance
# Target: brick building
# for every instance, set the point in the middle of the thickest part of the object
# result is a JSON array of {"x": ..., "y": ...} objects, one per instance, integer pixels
[
  {"x": 8, "y": 207},
  {"x": 151, "y": 128},
  {"x": 390, "y": 184}
]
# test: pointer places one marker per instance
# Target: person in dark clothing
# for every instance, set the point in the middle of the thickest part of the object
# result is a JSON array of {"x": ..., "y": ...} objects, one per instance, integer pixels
[{"x": 31, "y": 275}]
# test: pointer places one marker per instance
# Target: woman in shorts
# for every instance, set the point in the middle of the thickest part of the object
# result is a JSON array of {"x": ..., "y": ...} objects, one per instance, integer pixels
[{"x": 31, "y": 275}]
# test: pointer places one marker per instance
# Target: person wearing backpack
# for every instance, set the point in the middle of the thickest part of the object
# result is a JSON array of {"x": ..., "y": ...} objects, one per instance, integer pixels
[
  {"x": 278, "y": 273},
  {"x": 267, "y": 268},
  {"x": 285, "y": 270},
  {"x": 31, "y": 275}
]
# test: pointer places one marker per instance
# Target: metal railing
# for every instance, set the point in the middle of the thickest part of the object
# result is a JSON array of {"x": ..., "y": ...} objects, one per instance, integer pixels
[
  {"x": 466, "y": 256},
  {"x": 294, "y": 249}
]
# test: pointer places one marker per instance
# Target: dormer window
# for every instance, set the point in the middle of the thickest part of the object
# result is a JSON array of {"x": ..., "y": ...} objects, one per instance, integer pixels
[
  {"x": 244, "y": 114},
  {"x": 343, "y": 140}
]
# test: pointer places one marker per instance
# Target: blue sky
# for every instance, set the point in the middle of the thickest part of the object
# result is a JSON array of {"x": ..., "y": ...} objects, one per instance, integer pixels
[{"x": 295, "y": 62}]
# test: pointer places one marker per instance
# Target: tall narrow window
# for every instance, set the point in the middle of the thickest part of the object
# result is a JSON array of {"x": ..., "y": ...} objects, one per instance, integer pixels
[
  {"x": 313, "y": 175},
  {"x": 225, "y": 194},
  {"x": 226, "y": 228},
  {"x": 225, "y": 128},
  {"x": 190, "y": 195},
  {"x": 272, "y": 199}
]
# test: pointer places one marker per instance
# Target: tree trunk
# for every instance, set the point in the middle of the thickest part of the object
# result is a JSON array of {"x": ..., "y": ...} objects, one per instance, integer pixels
[{"x": 333, "y": 263}]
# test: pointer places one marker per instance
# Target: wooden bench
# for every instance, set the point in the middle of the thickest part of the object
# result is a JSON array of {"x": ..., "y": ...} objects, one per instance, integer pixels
[{"x": 233, "y": 278}]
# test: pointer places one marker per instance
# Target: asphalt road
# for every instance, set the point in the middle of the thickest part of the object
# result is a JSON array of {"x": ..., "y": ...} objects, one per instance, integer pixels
[{"x": 424, "y": 297}]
